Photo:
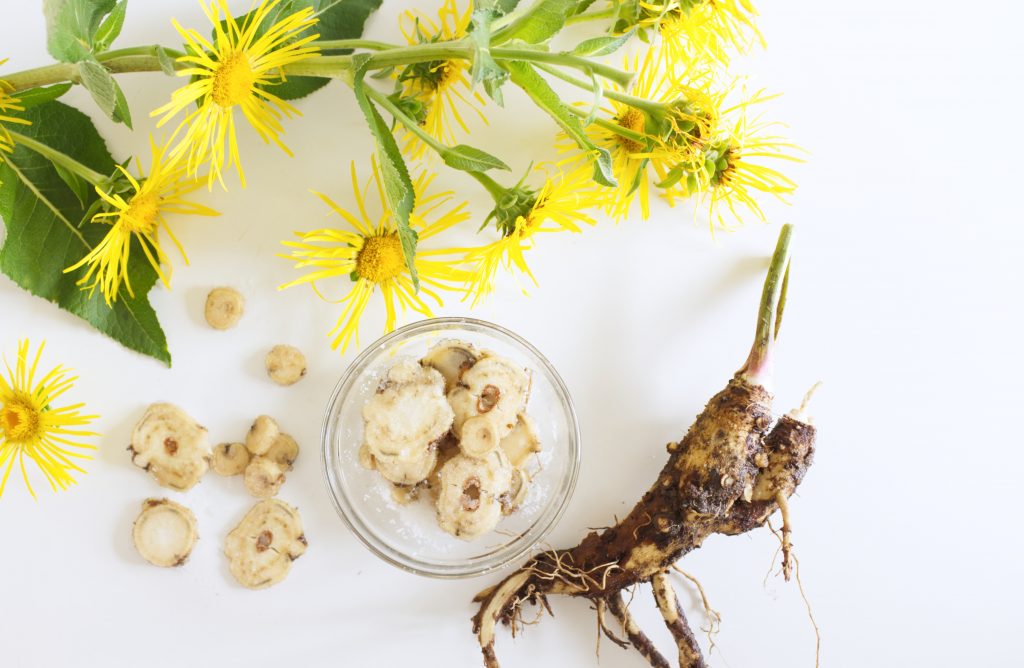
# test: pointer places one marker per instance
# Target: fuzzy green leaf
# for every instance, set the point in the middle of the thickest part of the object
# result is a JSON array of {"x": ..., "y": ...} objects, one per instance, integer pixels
[
  {"x": 166, "y": 62},
  {"x": 471, "y": 159},
  {"x": 42, "y": 216},
  {"x": 110, "y": 28},
  {"x": 601, "y": 46},
  {"x": 485, "y": 69},
  {"x": 104, "y": 90},
  {"x": 37, "y": 96},
  {"x": 71, "y": 27},
  {"x": 538, "y": 23}
]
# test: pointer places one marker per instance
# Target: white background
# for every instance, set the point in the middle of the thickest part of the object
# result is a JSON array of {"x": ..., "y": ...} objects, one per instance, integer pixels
[{"x": 904, "y": 300}]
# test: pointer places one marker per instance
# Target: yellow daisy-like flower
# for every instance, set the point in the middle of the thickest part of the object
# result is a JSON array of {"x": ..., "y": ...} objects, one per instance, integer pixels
[
  {"x": 32, "y": 425},
  {"x": 693, "y": 30},
  {"x": 140, "y": 217},
  {"x": 557, "y": 207},
  {"x": 8, "y": 104},
  {"x": 369, "y": 255},
  {"x": 441, "y": 86},
  {"x": 233, "y": 72}
]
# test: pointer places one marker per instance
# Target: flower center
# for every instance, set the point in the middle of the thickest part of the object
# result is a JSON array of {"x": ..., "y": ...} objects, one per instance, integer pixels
[
  {"x": 233, "y": 81},
  {"x": 19, "y": 420},
  {"x": 431, "y": 76},
  {"x": 633, "y": 120},
  {"x": 142, "y": 213},
  {"x": 380, "y": 258}
]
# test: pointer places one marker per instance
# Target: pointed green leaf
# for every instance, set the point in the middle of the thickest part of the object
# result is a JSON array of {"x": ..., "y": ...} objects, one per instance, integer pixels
[
  {"x": 37, "y": 96},
  {"x": 537, "y": 23},
  {"x": 71, "y": 26},
  {"x": 601, "y": 46},
  {"x": 471, "y": 159},
  {"x": 110, "y": 28}
]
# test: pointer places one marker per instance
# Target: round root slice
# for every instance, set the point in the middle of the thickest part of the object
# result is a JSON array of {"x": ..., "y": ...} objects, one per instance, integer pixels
[
  {"x": 261, "y": 549},
  {"x": 230, "y": 458},
  {"x": 511, "y": 500},
  {"x": 494, "y": 386},
  {"x": 522, "y": 441},
  {"x": 468, "y": 503},
  {"x": 263, "y": 477},
  {"x": 283, "y": 452},
  {"x": 172, "y": 446},
  {"x": 451, "y": 358},
  {"x": 479, "y": 436},
  {"x": 406, "y": 470},
  {"x": 262, "y": 434},
  {"x": 224, "y": 308},
  {"x": 286, "y": 365},
  {"x": 164, "y": 533}
]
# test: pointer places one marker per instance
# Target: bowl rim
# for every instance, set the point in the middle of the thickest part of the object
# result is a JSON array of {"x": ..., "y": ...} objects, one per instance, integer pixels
[{"x": 360, "y": 529}]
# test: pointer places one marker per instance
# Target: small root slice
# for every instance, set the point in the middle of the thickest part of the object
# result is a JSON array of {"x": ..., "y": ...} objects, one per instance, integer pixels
[
  {"x": 164, "y": 533},
  {"x": 668, "y": 604},
  {"x": 714, "y": 617},
  {"x": 618, "y": 607}
]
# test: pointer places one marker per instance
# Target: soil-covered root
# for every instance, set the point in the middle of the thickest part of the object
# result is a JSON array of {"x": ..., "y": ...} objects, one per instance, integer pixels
[
  {"x": 263, "y": 477},
  {"x": 164, "y": 533},
  {"x": 261, "y": 549},
  {"x": 224, "y": 308},
  {"x": 172, "y": 446},
  {"x": 286, "y": 365},
  {"x": 283, "y": 452},
  {"x": 262, "y": 434},
  {"x": 230, "y": 459}
]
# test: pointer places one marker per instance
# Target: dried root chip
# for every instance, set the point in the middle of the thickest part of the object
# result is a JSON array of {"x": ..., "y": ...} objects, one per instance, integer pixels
[
  {"x": 404, "y": 421},
  {"x": 224, "y": 308},
  {"x": 230, "y": 458},
  {"x": 171, "y": 446},
  {"x": 479, "y": 436},
  {"x": 451, "y": 358},
  {"x": 263, "y": 477},
  {"x": 262, "y": 434},
  {"x": 471, "y": 488},
  {"x": 261, "y": 549},
  {"x": 494, "y": 386},
  {"x": 286, "y": 365},
  {"x": 283, "y": 452},
  {"x": 522, "y": 441},
  {"x": 164, "y": 533}
]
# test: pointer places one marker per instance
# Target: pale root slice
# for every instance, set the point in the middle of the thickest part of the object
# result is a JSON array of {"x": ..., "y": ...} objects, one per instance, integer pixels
[
  {"x": 479, "y": 436},
  {"x": 283, "y": 452},
  {"x": 262, "y": 434},
  {"x": 451, "y": 358},
  {"x": 263, "y": 477},
  {"x": 261, "y": 549},
  {"x": 286, "y": 365},
  {"x": 230, "y": 458},
  {"x": 224, "y": 308},
  {"x": 522, "y": 441},
  {"x": 406, "y": 470},
  {"x": 172, "y": 446},
  {"x": 494, "y": 386},
  {"x": 516, "y": 494},
  {"x": 471, "y": 488},
  {"x": 164, "y": 533}
]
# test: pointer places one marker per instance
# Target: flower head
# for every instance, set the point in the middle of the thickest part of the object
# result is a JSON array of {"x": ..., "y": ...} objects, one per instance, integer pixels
[
  {"x": 525, "y": 213},
  {"x": 233, "y": 72},
  {"x": 8, "y": 104},
  {"x": 139, "y": 216},
  {"x": 708, "y": 30},
  {"x": 33, "y": 426},
  {"x": 368, "y": 255},
  {"x": 440, "y": 86}
]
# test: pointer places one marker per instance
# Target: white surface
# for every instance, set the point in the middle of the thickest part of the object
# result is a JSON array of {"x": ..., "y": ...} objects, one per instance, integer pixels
[{"x": 905, "y": 301}]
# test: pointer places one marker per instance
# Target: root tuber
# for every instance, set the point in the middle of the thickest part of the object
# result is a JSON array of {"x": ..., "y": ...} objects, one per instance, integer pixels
[{"x": 727, "y": 475}]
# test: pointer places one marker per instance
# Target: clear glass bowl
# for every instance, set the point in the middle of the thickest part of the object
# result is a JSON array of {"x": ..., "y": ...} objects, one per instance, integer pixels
[{"x": 408, "y": 536}]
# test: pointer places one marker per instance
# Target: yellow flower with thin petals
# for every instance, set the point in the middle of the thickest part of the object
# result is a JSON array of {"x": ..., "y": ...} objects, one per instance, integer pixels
[
  {"x": 8, "y": 104},
  {"x": 441, "y": 86},
  {"x": 369, "y": 255},
  {"x": 140, "y": 217},
  {"x": 232, "y": 72},
  {"x": 32, "y": 426},
  {"x": 709, "y": 30},
  {"x": 557, "y": 207}
]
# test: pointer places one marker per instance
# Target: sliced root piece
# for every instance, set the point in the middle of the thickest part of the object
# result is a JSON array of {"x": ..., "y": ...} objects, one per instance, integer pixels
[
  {"x": 263, "y": 477},
  {"x": 262, "y": 434},
  {"x": 172, "y": 446},
  {"x": 668, "y": 604},
  {"x": 479, "y": 436},
  {"x": 230, "y": 458},
  {"x": 617, "y": 606},
  {"x": 468, "y": 503},
  {"x": 261, "y": 549},
  {"x": 224, "y": 308},
  {"x": 494, "y": 386},
  {"x": 283, "y": 452},
  {"x": 513, "y": 499},
  {"x": 286, "y": 365},
  {"x": 522, "y": 441},
  {"x": 451, "y": 358},
  {"x": 164, "y": 532}
]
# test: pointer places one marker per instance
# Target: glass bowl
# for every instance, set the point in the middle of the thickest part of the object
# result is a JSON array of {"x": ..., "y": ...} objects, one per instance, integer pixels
[{"x": 408, "y": 536}]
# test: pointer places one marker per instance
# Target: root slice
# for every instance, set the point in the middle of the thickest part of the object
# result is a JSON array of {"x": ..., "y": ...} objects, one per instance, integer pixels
[
  {"x": 164, "y": 533},
  {"x": 617, "y": 606},
  {"x": 668, "y": 604}
]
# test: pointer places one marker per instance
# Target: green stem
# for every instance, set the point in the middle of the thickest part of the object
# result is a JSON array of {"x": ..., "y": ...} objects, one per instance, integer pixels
[
  {"x": 334, "y": 44},
  {"x": 611, "y": 126},
  {"x": 401, "y": 117},
  {"x": 58, "y": 158},
  {"x": 496, "y": 190},
  {"x": 566, "y": 60},
  {"x": 150, "y": 50},
  {"x": 758, "y": 367},
  {"x": 656, "y": 108},
  {"x": 593, "y": 16}
]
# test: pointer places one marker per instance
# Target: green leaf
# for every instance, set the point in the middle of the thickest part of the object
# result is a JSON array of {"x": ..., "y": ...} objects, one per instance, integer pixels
[
  {"x": 538, "y": 23},
  {"x": 544, "y": 97},
  {"x": 471, "y": 159},
  {"x": 104, "y": 90},
  {"x": 601, "y": 46},
  {"x": 37, "y": 96},
  {"x": 485, "y": 69},
  {"x": 166, "y": 62},
  {"x": 71, "y": 27},
  {"x": 41, "y": 214},
  {"x": 78, "y": 185},
  {"x": 110, "y": 28},
  {"x": 498, "y": 6},
  {"x": 398, "y": 188}
]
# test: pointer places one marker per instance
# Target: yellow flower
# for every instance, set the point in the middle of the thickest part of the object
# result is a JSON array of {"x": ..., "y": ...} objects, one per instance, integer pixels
[
  {"x": 557, "y": 207},
  {"x": 369, "y": 255},
  {"x": 141, "y": 217},
  {"x": 693, "y": 30},
  {"x": 441, "y": 86},
  {"x": 234, "y": 71},
  {"x": 8, "y": 103},
  {"x": 32, "y": 426}
]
